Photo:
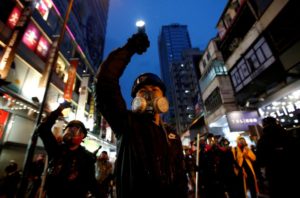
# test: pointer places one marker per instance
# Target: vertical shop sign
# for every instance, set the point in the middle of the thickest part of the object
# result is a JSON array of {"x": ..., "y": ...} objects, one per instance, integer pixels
[
  {"x": 83, "y": 94},
  {"x": 9, "y": 51},
  {"x": 51, "y": 58},
  {"x": 31, "y": 36},
  {"x": 71, "y": 79},
  {"x": 3, "y": 120},
  {"x": 14, "y": 18}
]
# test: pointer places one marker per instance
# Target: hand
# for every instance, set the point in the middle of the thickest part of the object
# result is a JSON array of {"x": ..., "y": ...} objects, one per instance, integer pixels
[
  {"x": 245, "y": 151},
  {"x": 138, "y": 43},
  {"x": 64, "y": 105}
]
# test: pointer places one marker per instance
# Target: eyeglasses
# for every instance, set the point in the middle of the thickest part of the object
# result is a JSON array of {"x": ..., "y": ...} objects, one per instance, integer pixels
[{"x": 74, "y": 130}]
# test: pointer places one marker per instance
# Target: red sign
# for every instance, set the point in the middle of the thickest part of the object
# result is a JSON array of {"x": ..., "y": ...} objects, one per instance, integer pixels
[
  {"x": 13, "y": 18},
  {"x": 31, "y": 36},
  {"x": 71, "y": 79},
  {"x": 3, "y": 120},
  {"x": 42, "y": 48},
  {"x": 10, "y": 49}
]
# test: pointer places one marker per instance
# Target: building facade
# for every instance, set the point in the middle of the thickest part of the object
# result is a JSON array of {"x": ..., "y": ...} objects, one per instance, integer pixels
[
  {"x": 28, "y": 36},
  {"x": 260, "y": 44},
  {"x": 216, "y": 90},
  {"x": 186, "y": 89}
]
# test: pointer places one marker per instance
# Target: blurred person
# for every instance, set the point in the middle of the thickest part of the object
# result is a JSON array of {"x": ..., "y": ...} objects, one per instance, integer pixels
[
  {"x": 276, "y": 156},
  {"x": 11, "y": 180},
  {"x": 190, "y": 166},
  {"x": 71, "y": 168},
  {"x": 228, "y": 177},
  {"x": 244, "y": 158},
  {"x": 150, "y": 161},
  {"x": 35, "y": 175},
  {"x": 211, "y": 182},
  {"x": 104, "y": 173}
]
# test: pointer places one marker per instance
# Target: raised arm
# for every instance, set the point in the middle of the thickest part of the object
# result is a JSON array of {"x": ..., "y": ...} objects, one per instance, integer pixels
[
  {"x": 44, "y": 131},
  {"x": 109, "y": 100}
]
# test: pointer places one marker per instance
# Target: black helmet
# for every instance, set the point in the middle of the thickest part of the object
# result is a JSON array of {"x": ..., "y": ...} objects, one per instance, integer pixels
[
  {"x": 147, "y": 79},
  {"x": 77, "y": 123}
]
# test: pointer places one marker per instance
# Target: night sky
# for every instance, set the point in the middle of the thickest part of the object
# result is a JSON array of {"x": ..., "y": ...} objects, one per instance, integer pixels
[{"x": 201, "y": 17}]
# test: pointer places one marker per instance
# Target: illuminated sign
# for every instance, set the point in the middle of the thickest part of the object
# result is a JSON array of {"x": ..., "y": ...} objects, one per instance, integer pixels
[
  {"x": 14, "y": 18},
  {"x": 286, "y": 109},
  {"x": 241, "y": 120},
  {"x": 10, "y": 50},
  {"x": 71, "y": 79},
  {"x": 43, "y": 47},
  {"x": 3, "y": 120},
  {"x": 31, "y": 37},
  {"x": 43, "y": 6}
]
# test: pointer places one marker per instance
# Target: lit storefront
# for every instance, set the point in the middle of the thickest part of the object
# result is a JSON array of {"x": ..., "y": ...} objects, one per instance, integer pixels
[{"x": 284, "y": 106}]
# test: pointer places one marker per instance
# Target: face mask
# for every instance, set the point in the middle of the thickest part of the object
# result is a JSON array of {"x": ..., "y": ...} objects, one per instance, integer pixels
[
  {"x": 71, "y": 138},
  {"x": 149, "y": 104}
]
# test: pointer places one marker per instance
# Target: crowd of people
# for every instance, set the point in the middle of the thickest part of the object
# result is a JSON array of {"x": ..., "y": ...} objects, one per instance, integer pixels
[
  {"x": 266, "y": 168},
  {"x": 151, "y": 161}
]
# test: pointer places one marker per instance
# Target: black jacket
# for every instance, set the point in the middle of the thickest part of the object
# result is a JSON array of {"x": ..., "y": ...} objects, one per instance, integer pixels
[
  {"x": 150, "y": 160},
  {"x": 70, "y": 173}
]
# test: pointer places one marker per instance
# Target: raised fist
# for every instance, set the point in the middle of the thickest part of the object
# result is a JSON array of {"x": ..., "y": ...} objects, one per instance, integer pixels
[{"x": 138, "y": 43}]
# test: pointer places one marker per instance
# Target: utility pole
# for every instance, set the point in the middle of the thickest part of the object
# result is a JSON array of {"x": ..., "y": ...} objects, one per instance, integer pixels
[{"x": 52, "y": 59}]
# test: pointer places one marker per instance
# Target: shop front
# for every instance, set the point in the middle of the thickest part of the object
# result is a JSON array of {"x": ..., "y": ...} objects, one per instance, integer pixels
[{"x": 284, "y": 105}]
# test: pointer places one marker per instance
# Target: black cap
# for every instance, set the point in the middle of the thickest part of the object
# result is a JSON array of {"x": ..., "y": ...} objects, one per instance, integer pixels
[
  {"x": 77, "y": 123},
  {"x": 147, "y": 79}
]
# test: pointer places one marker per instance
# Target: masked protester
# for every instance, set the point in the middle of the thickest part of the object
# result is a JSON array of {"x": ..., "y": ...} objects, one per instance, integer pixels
[
  {"x": 150, "y": 161},
  {"x": 71, "y": 168}
]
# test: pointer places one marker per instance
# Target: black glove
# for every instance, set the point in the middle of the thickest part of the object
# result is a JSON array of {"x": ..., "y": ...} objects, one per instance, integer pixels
[{"x": 138, "y": 43}]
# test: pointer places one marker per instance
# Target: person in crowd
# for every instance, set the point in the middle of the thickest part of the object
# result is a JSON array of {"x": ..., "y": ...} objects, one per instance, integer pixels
[
  {"x": 104, "y": 174},
  {"x": 150, "y": 160},
  {"x": 35, "y": 176},
  {"x": 211, "y": 183},
  {"x": 276, "y": 156},
  {"x": 71, "y": 168},
  {"x": 11, "y": 180},
  {"x": 244, "y": 157},
  {"x": 190, "y": 166},
  {"x": 228, "y": 177}
]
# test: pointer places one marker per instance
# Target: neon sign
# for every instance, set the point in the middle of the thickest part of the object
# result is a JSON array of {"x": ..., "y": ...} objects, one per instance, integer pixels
[
  {"x": 14, "y": 18},
  {"x": 31, "y": 37}
]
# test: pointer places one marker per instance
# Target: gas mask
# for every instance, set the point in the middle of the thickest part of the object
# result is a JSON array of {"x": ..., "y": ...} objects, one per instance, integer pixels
[
  {"x": 150, "y": 104},
  {"x": 71, "y": 136}
]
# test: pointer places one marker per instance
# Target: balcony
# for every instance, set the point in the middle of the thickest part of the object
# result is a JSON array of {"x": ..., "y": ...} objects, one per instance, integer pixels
[
  {"x": 235, "y": 29},
  {"x": 216, "y": 68}
]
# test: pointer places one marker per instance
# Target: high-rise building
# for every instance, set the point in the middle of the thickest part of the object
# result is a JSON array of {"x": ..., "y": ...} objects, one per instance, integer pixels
[
  {"x": 185, "y": 88},
  {"x": 178, "y": 73}
]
